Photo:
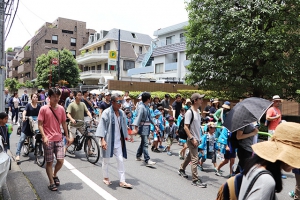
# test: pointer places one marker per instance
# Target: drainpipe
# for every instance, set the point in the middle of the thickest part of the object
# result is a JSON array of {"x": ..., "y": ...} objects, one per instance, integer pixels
[{"x": 178, "y": 66}]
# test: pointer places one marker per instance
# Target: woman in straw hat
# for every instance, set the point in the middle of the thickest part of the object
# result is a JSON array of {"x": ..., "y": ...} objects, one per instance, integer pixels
[{"x": 282, "y": 152}]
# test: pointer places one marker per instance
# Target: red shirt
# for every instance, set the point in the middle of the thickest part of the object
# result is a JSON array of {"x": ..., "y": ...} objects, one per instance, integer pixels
[
  {"x": 272, "y": 112},
  {"x": 50, "y": 125}
]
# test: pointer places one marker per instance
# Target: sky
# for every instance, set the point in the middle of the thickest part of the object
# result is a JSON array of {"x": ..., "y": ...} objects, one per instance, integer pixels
[{"x": 133, "y": 15}]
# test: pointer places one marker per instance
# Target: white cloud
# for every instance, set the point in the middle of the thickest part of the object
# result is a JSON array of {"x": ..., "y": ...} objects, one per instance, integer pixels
[{"x": 134, "y": 15}]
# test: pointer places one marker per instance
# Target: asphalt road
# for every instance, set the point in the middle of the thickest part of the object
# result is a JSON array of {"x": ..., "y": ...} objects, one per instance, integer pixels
[{"x": 84, "y": 181}]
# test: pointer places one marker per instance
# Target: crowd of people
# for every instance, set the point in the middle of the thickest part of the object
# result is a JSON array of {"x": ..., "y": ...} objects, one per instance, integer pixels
[{"x": 159, "y": 124}]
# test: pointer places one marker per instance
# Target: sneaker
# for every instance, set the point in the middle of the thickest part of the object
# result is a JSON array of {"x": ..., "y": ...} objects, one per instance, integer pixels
[
  {"x": 219, "y": 173},
  {"x": 138, "y": 159},
  {"x": 156, "y": 151},
  {"x": 200, "y": 167},
  {"x": 161, "y": 147},
  {"x": 152, "y": 148},
  {"x": 17, "y": 158},
  {"x": 182, "y": 173},
  {"x": 219, "y": 170},
  {"x": 292, "y": 194},
  {"x": 150, "y": 163},
  {"x": 199, "y": 183},
  {"x": 165, "y": 149},
  {"x": 169, "y": 153}
]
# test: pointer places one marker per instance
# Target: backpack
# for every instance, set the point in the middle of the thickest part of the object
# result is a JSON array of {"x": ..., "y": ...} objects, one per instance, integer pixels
[
  {"x": 233, "y": 140},
  {"x": 181, "y": 132},
  {"x": 24, "y": 98},
  {"x": 231, "y": 189}
]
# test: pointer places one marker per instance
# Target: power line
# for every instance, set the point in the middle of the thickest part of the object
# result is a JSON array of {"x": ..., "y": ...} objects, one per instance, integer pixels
[
  {"x": 32, "y": 12},
  {"x": 24, "y": 25},
  {"x": 9, "y": 12},
  {"x": 12, "y": 20}
]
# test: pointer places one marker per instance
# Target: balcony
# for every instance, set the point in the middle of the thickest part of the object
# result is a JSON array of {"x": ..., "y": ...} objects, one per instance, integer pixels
[
  {"x": 26, "y": 67},
  {"x": 141, "y": 70},
  {"x": 186, "y": 63},
  {"x": 170, "y": 66},
  {"x": 24, "y": 79},
  {"x": 14, "y": 63},
  {"x": 24, "y": 56},
  {"x": 13, "y": 74},
  {"x": 96, "y": 74},
  {"x": 92, "y": 56}
]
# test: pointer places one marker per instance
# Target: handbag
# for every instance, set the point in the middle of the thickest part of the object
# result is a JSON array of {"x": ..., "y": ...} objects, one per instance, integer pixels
[{"x": 55, "y": 117}]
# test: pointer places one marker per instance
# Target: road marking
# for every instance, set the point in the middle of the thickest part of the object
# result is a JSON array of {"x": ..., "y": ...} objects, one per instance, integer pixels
[{"x": 88, "y": 181}]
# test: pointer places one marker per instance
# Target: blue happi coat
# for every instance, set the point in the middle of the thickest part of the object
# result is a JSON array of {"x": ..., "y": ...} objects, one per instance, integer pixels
[
  {"x": 223, "y": 140},
  {"x": 106, "y": 129}
]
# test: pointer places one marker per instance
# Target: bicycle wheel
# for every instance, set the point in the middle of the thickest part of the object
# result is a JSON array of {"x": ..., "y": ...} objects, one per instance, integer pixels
[
  {"x": 71, "y": 149},
  {"x": 91, "y": 149},
  {"x": 39, "y": 154}
]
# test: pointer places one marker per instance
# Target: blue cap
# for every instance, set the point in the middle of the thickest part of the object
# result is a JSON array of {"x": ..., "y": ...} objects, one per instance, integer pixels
[{"x": 156, "y": 112}]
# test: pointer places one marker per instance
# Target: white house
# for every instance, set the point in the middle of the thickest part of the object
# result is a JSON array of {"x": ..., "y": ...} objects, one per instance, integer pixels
[
  {"x": 93, "y": 60},
  {"x": 166, "y": 59}
]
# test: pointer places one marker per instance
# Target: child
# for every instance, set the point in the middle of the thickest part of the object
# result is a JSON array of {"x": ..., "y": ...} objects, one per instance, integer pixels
[
  {"x": 208, "y": 149},
  {"x": 180, "y": 117},
  {"x": 156, "y": 134},
  {"x": 4, "y": 130},
  {"x": 229, "y": 152},
  {"x": 162, "y": 124},
  {"x": 171, "y": 131},
  {"x": 129, "y": 122}
]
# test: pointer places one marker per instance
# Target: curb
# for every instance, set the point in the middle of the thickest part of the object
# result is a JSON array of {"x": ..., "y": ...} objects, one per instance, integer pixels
[{"x": 17, "y": 185}]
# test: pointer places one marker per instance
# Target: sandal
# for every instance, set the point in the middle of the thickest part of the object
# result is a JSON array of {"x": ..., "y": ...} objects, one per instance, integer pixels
[
  {"x": 52, "y": 187},
  {"x": 107, "y": 182},
  {"x": 125, "y": 185},
  {"x": 56, "y": 181}
]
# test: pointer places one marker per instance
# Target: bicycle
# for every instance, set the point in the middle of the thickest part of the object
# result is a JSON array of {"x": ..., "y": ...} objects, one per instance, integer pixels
[
  {"x": 28, "y": 143},
  {"x": 91, "y": 146}
]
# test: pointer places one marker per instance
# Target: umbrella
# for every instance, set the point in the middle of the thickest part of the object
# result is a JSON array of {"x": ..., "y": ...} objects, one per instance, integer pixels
[
  {"x": 117, "y": 92},
  {"x": 246, "y": 112},
  {"x": 95, "y": 91}
]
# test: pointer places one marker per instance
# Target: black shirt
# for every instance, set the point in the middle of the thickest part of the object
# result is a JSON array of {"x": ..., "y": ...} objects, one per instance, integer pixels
[
  {"x": 207, "y": 108},
  {"x": 30, "y": 111},
  {"x": 104, "y": 105},
  {"x": 177, "y": 107}
]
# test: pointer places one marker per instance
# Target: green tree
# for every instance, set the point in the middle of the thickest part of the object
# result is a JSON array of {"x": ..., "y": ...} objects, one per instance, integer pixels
[
  {"x": 12, "y": 84},
  {"x": 9, "y": 49},
  {"x": 66, "y": 70},
  {"x": 244, "y": 48},
  {"x": 28, "y": 84}
]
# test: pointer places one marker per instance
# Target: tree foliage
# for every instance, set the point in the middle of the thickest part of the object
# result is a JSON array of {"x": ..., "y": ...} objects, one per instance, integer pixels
[
  {"x": 12, "y": 84},
  {"x": 9, "y": 49},
  {"x": 67, "y": 70},
  {"x": 244, "y": 48}
]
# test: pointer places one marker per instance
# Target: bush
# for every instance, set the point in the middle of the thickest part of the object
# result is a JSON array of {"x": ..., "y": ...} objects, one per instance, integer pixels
[
  {"x": 26, "y": 48},
  {"x": 160, "y": 95}
]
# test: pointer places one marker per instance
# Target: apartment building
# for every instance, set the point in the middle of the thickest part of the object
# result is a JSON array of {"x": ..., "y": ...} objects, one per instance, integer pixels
[
  {"x": 10, "y": 56},
  {"x": 166, "y": 59},
  {"x": 61, "y": 34},
  {"x": 93, "y": 60}
]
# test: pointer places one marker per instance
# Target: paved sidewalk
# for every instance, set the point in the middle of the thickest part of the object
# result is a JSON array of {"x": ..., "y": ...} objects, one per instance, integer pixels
[{"x": 17, "y": 185}]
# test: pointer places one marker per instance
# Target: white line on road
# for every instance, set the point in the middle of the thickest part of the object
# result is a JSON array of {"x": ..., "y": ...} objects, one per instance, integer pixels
[{"x": 89, "y": 182}]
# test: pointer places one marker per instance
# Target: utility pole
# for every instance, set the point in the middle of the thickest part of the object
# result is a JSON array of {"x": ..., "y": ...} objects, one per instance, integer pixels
[
  {"x": 2, "y": 56},
  {"x": 119, "y": 52}
]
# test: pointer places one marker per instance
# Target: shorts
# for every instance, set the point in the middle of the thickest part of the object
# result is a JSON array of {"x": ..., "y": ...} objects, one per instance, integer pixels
[
  {"x": 182, "y": 141},
  {"x": 169, "y": 141},
  {"x": 54, "y": 148},
  {"x": 229, "y": 154},
  {"x": 210, "y": 155},
  {"x": 72, "y": 131}
]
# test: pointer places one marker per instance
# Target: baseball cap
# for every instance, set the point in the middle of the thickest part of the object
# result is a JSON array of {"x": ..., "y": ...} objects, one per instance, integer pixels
[
  {"x": 107, "y": 93},
  {"x": 167, "y": 96},
  {"x": 171, "y": 118},
  {"x": 197, "y": 96}
]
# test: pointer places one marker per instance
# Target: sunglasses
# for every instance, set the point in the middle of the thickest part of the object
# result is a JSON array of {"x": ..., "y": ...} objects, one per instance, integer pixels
[{"x": 119, "y": 101}]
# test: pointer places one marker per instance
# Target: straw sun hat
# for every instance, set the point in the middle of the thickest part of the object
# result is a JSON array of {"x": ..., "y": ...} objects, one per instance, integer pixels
[{"x": 283, "y": 146}]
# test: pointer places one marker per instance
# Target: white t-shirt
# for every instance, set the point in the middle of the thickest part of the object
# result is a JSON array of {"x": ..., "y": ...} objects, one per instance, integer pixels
[
  {"x": 16, "y": 102},
  {"x": 117, "y": 132},
  {"x": 196, "y": 124}
]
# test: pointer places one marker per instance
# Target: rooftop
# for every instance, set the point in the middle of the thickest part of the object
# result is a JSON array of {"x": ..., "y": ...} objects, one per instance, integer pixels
[{"x": 170, "y": 29}]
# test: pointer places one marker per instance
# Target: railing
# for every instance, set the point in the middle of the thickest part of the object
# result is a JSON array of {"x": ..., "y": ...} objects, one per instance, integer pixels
[
  {"x": 161, "y": 43},
  {"x": 148, "y": 54},
  {"x": 92, "y": 52},
  {"x": 97, "y": 72},
  {"x": 186, "y": 62},
  {"x": 171, "y": 66},
  {"x": 140, "y": 70}
]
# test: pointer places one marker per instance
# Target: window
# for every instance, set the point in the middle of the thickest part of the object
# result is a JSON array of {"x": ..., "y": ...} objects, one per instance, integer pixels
[
  {"x": 47, "y": 41},
  {"x": 182, "y": 37},
  {"x": 140, "y": 49},
  {"x": 169, "y": 40},
  {"x": 99, "y": 49},
  {"x": 54, "y": 39},
  {"x": 159, "y": 68},
  {"x": 86, "y": 69},
  {"x": 133, "y": 46},
  {"x": 73, "y": 52},
  {"x": 93, "y": 67},
  {"x": 27, "y": 75},
  {"x": 106, "y": 66},
  {"x": 66, "y": 31},
  {"x": 73, "y": 41},
  {"x": 54, "y": 49},
  {"x": 107, "y": 46},
  {"x": 128, "y": 64},
  {"x": 75, "y": 29},
  {"x": 98, "y": 67},
  {"x": 133, "y": 35}
]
